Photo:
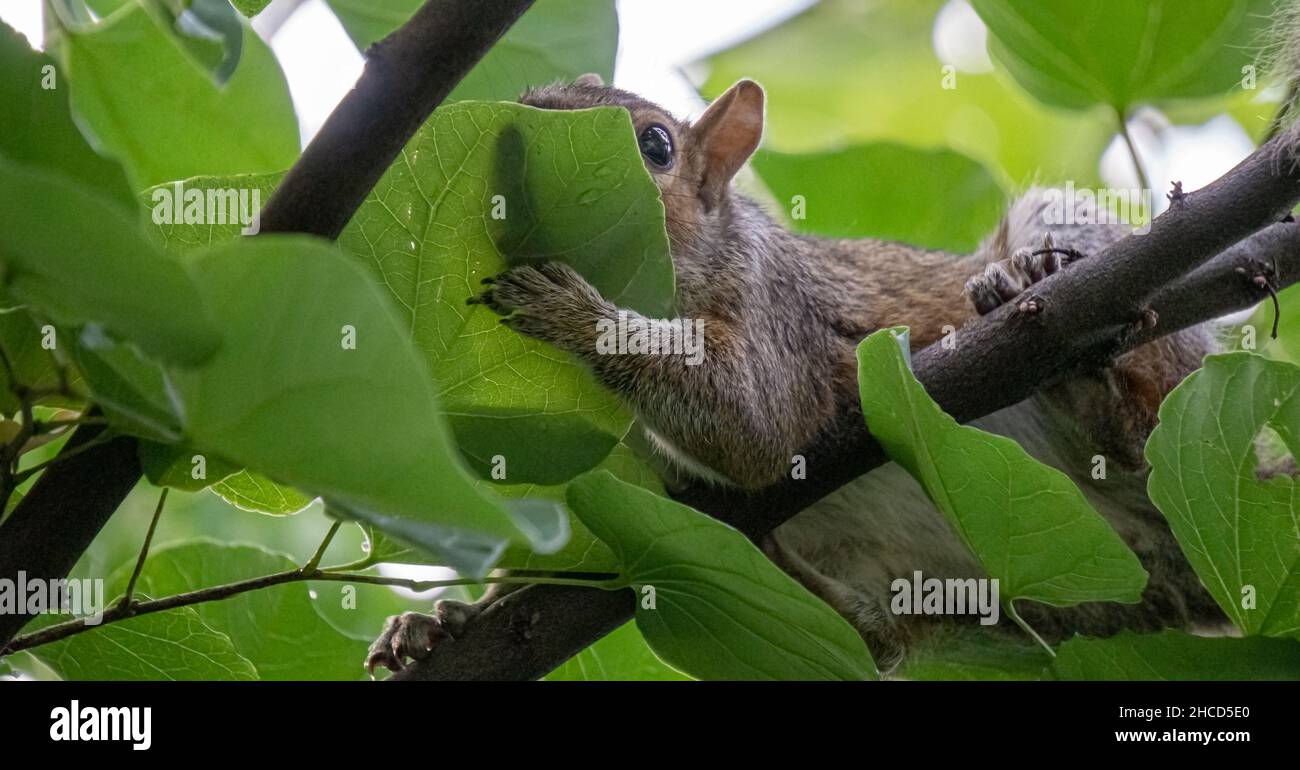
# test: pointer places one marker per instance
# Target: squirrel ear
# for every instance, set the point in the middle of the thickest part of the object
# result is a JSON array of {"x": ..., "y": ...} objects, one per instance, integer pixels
[
  {"x": 590, "y": 79},
  {"x": 728, "y": 133}
]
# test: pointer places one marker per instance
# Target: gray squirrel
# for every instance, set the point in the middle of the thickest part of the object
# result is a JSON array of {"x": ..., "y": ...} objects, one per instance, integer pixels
[{"x": 783, "y": 314}]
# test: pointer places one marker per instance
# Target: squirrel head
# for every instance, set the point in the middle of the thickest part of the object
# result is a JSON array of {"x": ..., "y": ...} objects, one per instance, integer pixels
[{"x": 692, "y": 163}]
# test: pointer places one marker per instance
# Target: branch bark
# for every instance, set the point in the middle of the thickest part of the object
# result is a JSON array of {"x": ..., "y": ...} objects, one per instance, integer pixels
[
  {"x": 407, "y": 75},
  {"x": 1185, "y": 269}
]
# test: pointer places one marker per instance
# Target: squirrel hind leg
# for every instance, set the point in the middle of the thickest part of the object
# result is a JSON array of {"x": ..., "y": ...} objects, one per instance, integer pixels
[{"x": 885, "y": 638}]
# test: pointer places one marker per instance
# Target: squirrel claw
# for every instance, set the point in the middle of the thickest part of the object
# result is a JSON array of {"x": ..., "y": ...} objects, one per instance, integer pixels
[
  {"x": 1002, "y": 282},
  {"x": 409, "y": 635}
]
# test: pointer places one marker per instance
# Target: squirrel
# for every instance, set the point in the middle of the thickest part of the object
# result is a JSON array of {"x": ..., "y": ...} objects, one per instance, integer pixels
[{"x": 782, "y": 315}]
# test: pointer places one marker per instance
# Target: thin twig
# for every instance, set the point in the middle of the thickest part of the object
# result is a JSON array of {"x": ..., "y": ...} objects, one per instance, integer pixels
[
  {"x": 124, "y": 610},
  {"x": 129, "y": 593},
  {"x": 1132, "y": 149},
  {"x": 102, "y": 438},
  {"x": 314, "y": 561}
]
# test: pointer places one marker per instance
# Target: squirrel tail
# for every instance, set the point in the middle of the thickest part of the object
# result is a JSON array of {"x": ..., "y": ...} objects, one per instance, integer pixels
[{"x": 1282, "y": 58}]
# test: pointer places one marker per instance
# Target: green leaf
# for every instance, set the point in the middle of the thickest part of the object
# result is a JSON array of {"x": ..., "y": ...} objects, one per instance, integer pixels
[
  {"x": 870, "y": 73},
  {"x": 210, "y": 31},
  {"x": 155, "y": 109},
  {"x": 1241, "y": 535},
  {"x": 582, "y": 552},
  {"x": 250, "y": 8},
  {"x": 574, "y": 189},
  {"x": 130, "y": 390},
  {"x": 487, "y": 443},
  {"x": 82, "y": 261},
  {"x": 620, "y": 656},
  {"x": 285, "y": 396},
  {"x": 39, "y": 130},
  {"x": 168, "y": 465},
  {"x": 974, "y": 656},
  {"x": 254, "y": 492},
  {"x": 721, "y": 609},
  {"x": 887, "y": 191},
  {"x": 1028, "y": 524},
  {"x": 34, "y": 366},
  {"x": 174, "y": 646},
  {"x": 1176, "y": 656},
  {"x": 278, "y": 629},
  {"x": 1121, "y": 53},
  {"x": 551, "y": 41}
]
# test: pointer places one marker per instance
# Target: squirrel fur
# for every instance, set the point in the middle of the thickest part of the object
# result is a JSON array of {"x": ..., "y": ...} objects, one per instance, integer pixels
[{"x": 783, "y": 314}]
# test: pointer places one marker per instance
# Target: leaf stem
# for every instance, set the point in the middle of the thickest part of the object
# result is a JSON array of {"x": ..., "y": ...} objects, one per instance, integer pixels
[
  {"x": 1122, "y": 119},
  {"x": 1028, "y": 629},
  {"x": 129, "y": 593},
  {"x": 314, "y": 561}
]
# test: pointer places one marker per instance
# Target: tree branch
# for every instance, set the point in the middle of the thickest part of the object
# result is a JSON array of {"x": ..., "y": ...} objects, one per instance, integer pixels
[
  {"x": 407, "y": 75},
  {"x": 64, "y": 511},
  {"x": 1184, "y": 269},
  {"x": 126, "y": 608}
]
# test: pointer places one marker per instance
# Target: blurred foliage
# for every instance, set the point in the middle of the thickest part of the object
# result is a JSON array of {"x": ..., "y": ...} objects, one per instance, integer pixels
[
  {"x": 888, "y": 191},
  {"x": 552, "y": 41},
  {"x": 1120, "y": 53},
  {"x": 868, "y": 72}
]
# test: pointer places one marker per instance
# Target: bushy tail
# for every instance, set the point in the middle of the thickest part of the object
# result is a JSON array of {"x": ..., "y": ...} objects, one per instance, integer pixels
[{"x": 1282, "y": 59}]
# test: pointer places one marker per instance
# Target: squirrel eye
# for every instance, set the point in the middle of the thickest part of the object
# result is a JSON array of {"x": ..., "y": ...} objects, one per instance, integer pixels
[{"x": 656, "y": 145}]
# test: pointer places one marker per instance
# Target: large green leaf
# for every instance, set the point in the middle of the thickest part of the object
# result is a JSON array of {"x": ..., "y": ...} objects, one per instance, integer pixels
[
  {"x": 620, "y": 656},
  {"x": 1176, "y": 656},
  {"x": 278, "y": 629},
  {"x": 1121, "y": 53},
  {"x": 581, "y": 553},
  {"x": 37, "y": 125},
  {"x": 551, "y": 41},
  {"x": 1242, "y": 535},
  {"x": 868, "y": 72},
  {"x": 154, "y": 108},
  {"x": 575, "y": 189},
  {"x": 284, "y": 395},
  {"x": 887, "y": 191},
  {"x": 82, "y": 261},
  {"x": 175, "y": 645},
  {"x": 1027, "y": 523},
  {"x": 720, "y": 609}
]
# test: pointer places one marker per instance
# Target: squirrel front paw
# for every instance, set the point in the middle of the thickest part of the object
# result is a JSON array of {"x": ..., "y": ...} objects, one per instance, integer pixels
[
  {"x": 1001, "y": 282},
  {"x": 415, "y": 635},
  {"x": 550, "y": 302}
]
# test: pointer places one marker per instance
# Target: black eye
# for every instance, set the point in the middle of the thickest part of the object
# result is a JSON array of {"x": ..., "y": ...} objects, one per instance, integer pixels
[{"x": 656, "y": 145}]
